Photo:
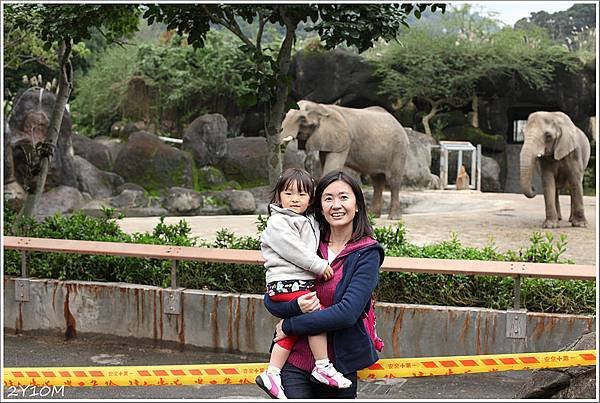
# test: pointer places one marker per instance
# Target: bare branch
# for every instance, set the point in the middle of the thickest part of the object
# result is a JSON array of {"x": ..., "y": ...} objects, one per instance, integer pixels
[
  {"x": 261, "y": 26},
  {"x": 231, "y": 26},
  {"x": 115, "y": 41}
]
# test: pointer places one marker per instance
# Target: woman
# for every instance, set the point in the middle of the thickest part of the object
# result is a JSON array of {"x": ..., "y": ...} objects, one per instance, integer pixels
[{"x": 355, "y": 257}]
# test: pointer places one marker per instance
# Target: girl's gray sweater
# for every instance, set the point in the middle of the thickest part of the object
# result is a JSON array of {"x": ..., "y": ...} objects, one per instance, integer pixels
[{"x": 289, "y": 246}]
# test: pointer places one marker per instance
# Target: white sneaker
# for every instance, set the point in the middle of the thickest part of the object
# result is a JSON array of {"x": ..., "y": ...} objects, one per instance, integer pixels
[
  {"x": 331, "y": 377},
  {"x": 271, "y": 383}
]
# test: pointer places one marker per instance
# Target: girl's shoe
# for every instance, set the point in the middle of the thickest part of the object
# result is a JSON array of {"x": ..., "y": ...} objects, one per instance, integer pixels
[
  {"x": 331, "y": 377},
  {"x": 271, "y": 384}
]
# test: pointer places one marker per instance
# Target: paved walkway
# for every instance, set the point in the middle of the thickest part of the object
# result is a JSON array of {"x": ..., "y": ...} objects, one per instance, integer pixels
[
  {"x": 432, "y": 215},
  {"x": 94, "y": 350}
]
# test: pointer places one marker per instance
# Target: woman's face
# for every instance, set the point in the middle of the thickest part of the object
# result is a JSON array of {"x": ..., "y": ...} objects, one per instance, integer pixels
[{"x": 339, "y": 204}]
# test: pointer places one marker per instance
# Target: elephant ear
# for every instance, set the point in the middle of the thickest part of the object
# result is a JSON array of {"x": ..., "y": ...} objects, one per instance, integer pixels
[
  {"x": 332, "y": 133},
  {"x": 565, "y": 142}
]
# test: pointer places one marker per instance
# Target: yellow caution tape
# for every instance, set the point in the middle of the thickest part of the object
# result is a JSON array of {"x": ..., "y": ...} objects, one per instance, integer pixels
[{"x": 223, "y": 374}]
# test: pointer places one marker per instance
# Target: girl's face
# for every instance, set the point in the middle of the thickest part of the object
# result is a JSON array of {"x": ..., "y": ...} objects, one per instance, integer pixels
[
  {"x": 294, "y": 199},
  {"x": 339, "y": 204}
]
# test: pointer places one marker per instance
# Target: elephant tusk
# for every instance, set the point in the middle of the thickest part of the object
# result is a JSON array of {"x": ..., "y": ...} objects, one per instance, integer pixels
[{"x": 287, "y": 139}]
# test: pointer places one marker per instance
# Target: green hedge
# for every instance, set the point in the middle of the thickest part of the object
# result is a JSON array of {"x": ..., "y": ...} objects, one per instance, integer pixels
[{"x": 540, "y": 295}]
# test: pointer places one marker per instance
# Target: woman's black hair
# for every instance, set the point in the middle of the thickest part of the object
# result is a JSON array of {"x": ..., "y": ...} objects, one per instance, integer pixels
[
  {"x": 361, "y": 226},
  {"x": 304, "y": 182}
]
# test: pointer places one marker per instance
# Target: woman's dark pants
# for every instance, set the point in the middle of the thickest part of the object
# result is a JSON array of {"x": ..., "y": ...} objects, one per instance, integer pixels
[{"x": 298, "y": 385}]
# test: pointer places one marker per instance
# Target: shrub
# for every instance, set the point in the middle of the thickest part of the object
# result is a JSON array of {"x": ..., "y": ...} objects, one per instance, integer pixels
[
  {"x": 543, "y": 295},
  {"x": 100, "y": 93},
  {"x": 187, "y": 82}
]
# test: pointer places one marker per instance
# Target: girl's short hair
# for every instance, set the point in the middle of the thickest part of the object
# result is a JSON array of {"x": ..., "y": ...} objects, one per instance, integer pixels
[
  {"x": 304, "y": 182},
  {"x": 361, "y": 226}
]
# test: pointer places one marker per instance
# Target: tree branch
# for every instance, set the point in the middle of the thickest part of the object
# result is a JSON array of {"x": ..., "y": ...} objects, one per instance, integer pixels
[
  {"x": 259, "y": 34},
  {"x": 114, "y": 41},
  {"x": 231, "y": 26}
]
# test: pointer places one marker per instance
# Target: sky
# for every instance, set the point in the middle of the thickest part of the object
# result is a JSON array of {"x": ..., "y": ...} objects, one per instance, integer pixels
[{"x": 510, "y": 12}]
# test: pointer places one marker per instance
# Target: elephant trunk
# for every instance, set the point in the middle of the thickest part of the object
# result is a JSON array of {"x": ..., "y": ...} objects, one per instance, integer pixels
[{"x": 528, "y": 159}]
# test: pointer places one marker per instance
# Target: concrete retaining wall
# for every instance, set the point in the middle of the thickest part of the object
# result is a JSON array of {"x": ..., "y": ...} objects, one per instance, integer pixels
[{"x": 239, "y": 322}]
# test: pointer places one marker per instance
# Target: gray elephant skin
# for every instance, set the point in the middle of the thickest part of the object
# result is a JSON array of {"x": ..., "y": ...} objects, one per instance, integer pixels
[
  {"x": 370, "y": 141},
  {"x": 561, "y": 151}
]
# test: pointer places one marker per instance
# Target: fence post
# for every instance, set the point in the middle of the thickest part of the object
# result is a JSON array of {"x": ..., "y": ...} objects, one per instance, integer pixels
[
  {"x": 174, "y": 265},
  {"x": 516, "y": 319},
  {"x": 22, "y": 285},
  {"x": 24, "y": 263},
  {"x": 517, "y": 292},
  {"x": 172, "y": 295}
]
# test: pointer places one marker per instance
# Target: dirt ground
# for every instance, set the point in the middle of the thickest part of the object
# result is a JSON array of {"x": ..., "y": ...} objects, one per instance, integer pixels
[{"x": 432, "y": 215}]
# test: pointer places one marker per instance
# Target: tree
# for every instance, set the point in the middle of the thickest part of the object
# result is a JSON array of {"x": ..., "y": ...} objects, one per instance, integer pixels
[
  {"x": 438, "y": 69},
  {"x": 63, "y": 25},
  {"x": 358, "y": 25},
  {"x": 449, "y": 70}
]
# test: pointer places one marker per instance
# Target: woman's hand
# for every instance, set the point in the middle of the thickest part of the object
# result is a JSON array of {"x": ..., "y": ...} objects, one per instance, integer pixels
[
  {"x": 279, "y": 334},
  {"x": 309, "y": 302}
]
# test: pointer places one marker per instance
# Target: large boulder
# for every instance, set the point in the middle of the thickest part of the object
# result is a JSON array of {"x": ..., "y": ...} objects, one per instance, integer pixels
[
  {"x": 129, "y": 198},
  {"x": 262, "y": 197},
  {"x": 246, "y": 159},
  {"x": 94, "y": 181},
  {"x": 490, "y": 175},
  {"x": 28, "y": 124},
  {"x": 61, "y": 199},
  {"x": 93, "y": 151},
  {"x": 229, "y": 202},
  {"x": 209, "y": 176},
  {"x": 147, "y": 161},
  {"x": 417, "y": 172},
  {"x": 181, "y": 201},
  {"x": 14, "y": 194},
  {"x": 205, "y": 139},
  {"x": 132, "y": 201},
  {"x": 113, "y": 146},
  {"x": 338, "y": 76},
  {"x": 239, "y": 201},
  {"x": 563, "y": 383}
]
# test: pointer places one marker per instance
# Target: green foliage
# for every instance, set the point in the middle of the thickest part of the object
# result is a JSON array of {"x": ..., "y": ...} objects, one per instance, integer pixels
[
  {"x": 187, "y": 77},
  {"x": 494, "y": 292},
  {"x": 53, "y": 23},
  {"x": 542, "y": 249},
  {"x": 429, "y": 67},
  {"x": 542, "y": 295},
  {"x": 489, "y": 142},
  {"x": 448, "y": 68},
  {"x": 100, "y": 93}
]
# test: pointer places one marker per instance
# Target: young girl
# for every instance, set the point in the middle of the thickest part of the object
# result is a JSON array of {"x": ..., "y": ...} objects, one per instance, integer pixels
[{"x": 289, "y": 246}]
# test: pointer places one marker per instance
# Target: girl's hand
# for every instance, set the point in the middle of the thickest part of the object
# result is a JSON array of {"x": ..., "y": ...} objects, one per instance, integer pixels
[
  {"x": 328, "y": 273},
  {"x": 279, "y": 331},
  {"x": 309, "y": 302}
]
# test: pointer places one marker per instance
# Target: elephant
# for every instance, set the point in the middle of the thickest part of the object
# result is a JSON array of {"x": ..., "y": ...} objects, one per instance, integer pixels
[
  {"x": 369, "y": 140},
  {"x": 561, "y": 152}
]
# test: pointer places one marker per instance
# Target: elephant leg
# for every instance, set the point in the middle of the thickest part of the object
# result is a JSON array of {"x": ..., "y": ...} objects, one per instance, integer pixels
[
  {"x": 333, "y": 161},
  {"x": 577, "y": 211},
  {"x": 557, "y": 205},
  {"x": 549, "y": 183},
  {"x": 378, "y": 186},
  {"x": 395, "y": 213}
]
